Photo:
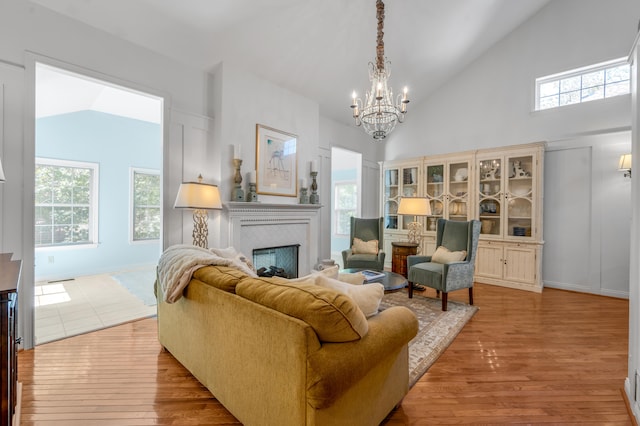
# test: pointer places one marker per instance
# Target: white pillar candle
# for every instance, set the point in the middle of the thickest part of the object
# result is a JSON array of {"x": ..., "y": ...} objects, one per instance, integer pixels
[
  {"x": 237, "y": 151},
  {"x": 303, "y": 183},
  {"x": 252, "y": 176},
  {"x": 314, "y": 165}
]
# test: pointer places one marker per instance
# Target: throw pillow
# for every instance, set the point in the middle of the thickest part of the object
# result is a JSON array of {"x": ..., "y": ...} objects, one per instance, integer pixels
[
  {"x": 444, "y": 255},
  {"x": 227, "y": 253},
  {"x": 356, "y": 278},
  {"x": 364, "y": 247},
  {"x": 328, "y": 272},
  {"x": 334, "y": 316},
  {"x": 367, "y": 297}
]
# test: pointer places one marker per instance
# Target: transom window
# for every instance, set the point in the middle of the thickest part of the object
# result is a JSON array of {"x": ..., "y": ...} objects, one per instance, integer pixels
[
  {"x": 600, "y": 81},
  {"x": 346, "y": 204},
  {"x": 66, "y": 194},
  {"x": 145, "y": 194}
]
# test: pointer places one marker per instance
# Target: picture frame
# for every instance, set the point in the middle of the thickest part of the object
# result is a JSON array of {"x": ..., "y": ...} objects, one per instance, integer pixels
[{"x": 276, "y": 162}]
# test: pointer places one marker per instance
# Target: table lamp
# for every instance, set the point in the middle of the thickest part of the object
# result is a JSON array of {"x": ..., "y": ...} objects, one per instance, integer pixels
[
  {"x": 200, "y": 197},
  {"x": 414, "y": 206}
]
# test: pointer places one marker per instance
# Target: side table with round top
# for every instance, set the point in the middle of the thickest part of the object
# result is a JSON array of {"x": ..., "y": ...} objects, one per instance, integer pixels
[{"x": 399, "y": 253}]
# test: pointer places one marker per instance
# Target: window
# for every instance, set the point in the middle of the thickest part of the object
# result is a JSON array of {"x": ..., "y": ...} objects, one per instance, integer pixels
[
  {"x": 346, "y": 204},
  {"x": 598, "y": 81},
  {"x": 145, "y": 195},
  {"x": 66, "y": 203}
]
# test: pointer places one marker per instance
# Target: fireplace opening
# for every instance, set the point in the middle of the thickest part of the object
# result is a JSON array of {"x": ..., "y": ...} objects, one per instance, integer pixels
[{"x": 279, "y": 261}]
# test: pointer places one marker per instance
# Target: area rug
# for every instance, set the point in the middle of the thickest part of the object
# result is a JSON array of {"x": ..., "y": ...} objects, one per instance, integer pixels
[
  {"x": 437, "y": 328},
  {"x": 139, "y": 282}
]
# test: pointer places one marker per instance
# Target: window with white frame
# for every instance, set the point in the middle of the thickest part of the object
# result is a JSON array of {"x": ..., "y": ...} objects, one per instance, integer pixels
[
  {"x": 66, "y": 203},
  {"x": 346, "y": 205},
  {"x": 145, "y": 205},
  {"x": 600, "y": 81}
]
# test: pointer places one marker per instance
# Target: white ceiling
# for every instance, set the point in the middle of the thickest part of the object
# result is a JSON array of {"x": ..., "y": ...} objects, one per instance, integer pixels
[
  {"x": 318, "y": 48},
  {"x": 62, "y": 92}
]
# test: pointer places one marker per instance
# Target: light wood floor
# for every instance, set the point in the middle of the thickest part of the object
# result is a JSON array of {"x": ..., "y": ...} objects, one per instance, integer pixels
[{"x": 552, "y": 358}]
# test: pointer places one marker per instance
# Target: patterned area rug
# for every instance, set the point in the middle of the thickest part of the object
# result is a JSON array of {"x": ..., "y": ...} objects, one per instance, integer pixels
[{"x": 437, "y": 328}]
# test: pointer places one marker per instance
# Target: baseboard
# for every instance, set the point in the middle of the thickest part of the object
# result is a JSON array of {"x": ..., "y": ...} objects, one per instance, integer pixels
[
  {"x": 629, "y": 409},
  {"x": 18, "y": 410}
]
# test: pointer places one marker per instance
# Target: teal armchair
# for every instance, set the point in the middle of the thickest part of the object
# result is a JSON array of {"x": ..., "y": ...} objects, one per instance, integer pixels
[
  {"x": 366, "y": 230},
  {"x": 450, "y": 276}
]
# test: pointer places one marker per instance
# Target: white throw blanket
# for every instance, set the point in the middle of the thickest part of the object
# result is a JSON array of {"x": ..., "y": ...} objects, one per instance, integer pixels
[{"x": 178, "y": 263}]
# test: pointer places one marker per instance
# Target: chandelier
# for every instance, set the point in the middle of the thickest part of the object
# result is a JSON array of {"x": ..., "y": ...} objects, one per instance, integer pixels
[{"x": 379, "y": 115}]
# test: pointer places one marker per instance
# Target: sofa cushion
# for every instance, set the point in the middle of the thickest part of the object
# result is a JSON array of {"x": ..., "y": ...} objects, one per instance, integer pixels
[
  {"x": 223, "y": 277},
  {"x": 334, "y": 316},
  {"x": 367, "y": 296}
]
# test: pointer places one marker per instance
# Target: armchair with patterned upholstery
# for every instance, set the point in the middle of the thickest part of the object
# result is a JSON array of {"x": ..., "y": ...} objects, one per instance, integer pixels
[
  {"x": 371, "y": 256},
  {"x": 452, "y": 265}
]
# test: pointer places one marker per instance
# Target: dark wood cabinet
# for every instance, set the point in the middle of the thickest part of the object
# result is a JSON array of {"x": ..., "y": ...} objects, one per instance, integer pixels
[
  {"x": 9, "y": 282},
  {"x": 400, "y": 251}
]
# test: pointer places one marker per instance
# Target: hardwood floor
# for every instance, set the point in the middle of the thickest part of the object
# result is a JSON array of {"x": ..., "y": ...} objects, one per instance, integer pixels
[{"x": 551, "y": 358}]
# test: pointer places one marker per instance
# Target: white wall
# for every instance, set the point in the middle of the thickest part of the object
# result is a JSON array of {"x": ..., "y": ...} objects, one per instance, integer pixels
[
  {"x": 490, "y": 104},
  {"x": 632, "y": 383},
  {"x": 29, "y": 33},
  {"x": 587, "y": 212}
]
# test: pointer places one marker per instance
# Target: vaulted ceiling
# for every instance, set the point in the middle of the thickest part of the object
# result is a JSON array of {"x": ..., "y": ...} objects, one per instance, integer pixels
[{"x": 317, "y": 48}]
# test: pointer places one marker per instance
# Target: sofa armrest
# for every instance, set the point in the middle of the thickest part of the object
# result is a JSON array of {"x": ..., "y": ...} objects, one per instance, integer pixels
[
  {"x": 381, "y": 256},
  {"x": 335, "y": 367},
  {"x": 345, "y": 255}
]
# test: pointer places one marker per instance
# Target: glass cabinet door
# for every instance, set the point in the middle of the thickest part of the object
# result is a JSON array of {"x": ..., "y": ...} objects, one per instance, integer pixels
[
  {"x": 391, "y": 198},
  {"x": 519, "y": 195},
  {"x": 409, "y": 189},
  {"x": 490, "y": 196},
  {"x": 458, "y": 191},
  {"x": 435, "y": 193}
]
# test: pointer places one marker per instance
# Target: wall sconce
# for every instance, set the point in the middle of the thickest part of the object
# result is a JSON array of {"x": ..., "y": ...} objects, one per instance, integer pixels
[
  {"x": 625, "y": 165},
  {"x": 200, "y": 197}
]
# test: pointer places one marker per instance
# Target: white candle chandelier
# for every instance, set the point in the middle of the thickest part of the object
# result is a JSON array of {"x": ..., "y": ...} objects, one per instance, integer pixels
[{"x": 379, "y": 115}]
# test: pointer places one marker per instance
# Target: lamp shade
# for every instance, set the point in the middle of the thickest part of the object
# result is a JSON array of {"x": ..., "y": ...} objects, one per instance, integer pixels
[
  {"x": 1, "y": 172},
  {"x": 198, "y": 195},
  {"x": 414, "y": 206},
  {"x": 625, "y": 162}
]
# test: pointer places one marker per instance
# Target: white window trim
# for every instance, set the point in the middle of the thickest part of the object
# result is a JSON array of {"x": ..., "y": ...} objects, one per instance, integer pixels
[
  {"x": 335, "y": 202},
  {"x": 132, "y": 172},
  {"x": 95, "y": 206},
  {"x": 572, "y": 73}
]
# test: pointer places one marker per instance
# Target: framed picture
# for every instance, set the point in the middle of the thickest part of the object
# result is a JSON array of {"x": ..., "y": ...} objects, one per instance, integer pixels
[{"x": 276, "y": 162}]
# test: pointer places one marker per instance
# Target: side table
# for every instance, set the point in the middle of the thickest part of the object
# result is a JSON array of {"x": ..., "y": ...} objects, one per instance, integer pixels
[{"x": 400, "y": 251}]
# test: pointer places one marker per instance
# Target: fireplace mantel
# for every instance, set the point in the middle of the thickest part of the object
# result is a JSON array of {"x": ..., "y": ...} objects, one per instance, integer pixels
[
  {"x": 259, "y": 225},
  {"x": 238, "y": 206}
]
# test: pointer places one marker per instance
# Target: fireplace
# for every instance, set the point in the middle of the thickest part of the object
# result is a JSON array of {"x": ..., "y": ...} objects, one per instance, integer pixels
[
  {"x": 279, "y": 261},
  {"x": 257, "y": 225}
]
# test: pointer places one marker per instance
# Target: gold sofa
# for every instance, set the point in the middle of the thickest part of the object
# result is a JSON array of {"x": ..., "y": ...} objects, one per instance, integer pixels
[{"x": 271, "y": 368}]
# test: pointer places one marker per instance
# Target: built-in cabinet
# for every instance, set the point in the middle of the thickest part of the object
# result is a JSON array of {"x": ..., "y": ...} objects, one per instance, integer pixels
[{"x": 502, "y": 188}]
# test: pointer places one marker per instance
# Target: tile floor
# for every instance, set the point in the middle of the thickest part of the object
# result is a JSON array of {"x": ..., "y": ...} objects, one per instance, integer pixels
[{"x": 68, "y": 308}]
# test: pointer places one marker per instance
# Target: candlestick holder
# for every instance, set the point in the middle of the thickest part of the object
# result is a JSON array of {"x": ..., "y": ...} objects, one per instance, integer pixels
[
  {"x": 238, "y": 193},
  {"x": 304, "y": 196},
  {"x": 252, "y": 196},
  {"x": 314, "y": 198}
]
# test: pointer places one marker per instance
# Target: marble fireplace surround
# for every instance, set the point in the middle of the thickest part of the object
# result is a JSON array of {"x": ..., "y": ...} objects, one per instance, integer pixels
[{"x": 260, "y": 225}]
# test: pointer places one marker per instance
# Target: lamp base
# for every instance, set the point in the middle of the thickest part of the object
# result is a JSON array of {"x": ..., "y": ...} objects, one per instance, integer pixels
[
  {"x": 415, "y": 232},
  {"x": 200, "y": 228}
]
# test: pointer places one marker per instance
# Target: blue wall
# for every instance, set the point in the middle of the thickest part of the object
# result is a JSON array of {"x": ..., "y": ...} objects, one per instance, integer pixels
[{"x": 116, "y": 144}]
